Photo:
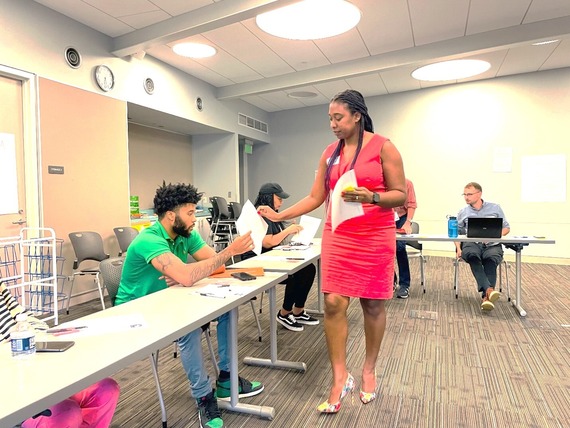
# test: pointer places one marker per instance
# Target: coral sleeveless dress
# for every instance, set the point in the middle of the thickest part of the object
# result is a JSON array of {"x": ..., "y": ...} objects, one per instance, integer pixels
[{"x": 357, "y": 259}]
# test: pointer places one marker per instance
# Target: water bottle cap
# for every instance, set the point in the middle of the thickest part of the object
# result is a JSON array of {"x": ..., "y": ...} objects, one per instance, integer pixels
[{"x": 21, "y": 317}]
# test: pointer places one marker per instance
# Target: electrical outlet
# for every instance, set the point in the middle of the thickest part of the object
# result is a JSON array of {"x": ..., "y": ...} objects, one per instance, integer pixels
[{"x": 229, "y": 194}]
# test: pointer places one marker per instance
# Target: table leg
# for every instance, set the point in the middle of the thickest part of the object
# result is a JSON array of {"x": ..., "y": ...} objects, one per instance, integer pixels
[
  {"x": 274, "y": 362},
  {"x": 234, "y": 405},
  {"x": 517, "y": 302}
]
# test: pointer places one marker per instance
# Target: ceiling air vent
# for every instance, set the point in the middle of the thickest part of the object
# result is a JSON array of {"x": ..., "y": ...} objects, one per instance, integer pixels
[
  {"x": 252, "y": 123},
  {"x": 72, "y": 57}
]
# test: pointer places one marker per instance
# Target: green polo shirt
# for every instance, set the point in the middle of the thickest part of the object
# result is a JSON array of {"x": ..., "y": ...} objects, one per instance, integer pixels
[{"x": 139, "y": 277}]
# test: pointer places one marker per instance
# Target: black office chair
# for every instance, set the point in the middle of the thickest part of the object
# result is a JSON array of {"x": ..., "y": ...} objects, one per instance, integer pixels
[
  {"x": 87, "y": 246},
  {"x": 235, "y": 210},
  {"x": 223, "y": 225},
  {"x": 111, "y": 270},
  {"x": 125, "y": 236}
]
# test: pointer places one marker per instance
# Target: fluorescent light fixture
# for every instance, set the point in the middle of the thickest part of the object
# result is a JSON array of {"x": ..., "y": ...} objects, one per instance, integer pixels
[
  {"x": 310, "y": 19},
  {"x": 194, "y": 50},
  {"x": 451, "y": 70},
  {"x": 546, "y": 42}
]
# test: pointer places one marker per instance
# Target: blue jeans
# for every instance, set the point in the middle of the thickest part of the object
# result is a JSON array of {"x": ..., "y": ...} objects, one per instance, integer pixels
[
  {"x": 402, "y": 258},
  {"x": 193, "y": 360}
]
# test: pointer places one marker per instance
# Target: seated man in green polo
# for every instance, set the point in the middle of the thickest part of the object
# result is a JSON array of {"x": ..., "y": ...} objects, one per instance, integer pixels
[{"x": 157, "y": 259}]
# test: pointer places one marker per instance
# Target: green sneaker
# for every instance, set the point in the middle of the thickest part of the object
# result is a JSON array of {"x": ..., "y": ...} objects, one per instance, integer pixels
[
  {"x": 246, "y": 388},
  {"x": 208, "y": 412}
]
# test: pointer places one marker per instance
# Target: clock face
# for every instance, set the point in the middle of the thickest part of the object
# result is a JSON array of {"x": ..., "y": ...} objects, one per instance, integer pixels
[{"x": 104, "y": 77}]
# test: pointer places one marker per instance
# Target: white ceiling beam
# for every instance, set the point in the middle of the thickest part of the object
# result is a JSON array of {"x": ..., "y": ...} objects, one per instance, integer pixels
[
  {"x": 188, "y": 24},
  {"x": 445, "y": 50}
]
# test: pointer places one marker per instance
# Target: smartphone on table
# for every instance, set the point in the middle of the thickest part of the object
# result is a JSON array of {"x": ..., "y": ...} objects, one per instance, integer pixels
[
  {"x": 54, "y": 346},
  {"x": 243, "y": 276}
]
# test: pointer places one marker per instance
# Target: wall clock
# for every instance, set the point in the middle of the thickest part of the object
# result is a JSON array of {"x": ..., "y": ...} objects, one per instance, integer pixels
[{"x": 104, "y": 77}]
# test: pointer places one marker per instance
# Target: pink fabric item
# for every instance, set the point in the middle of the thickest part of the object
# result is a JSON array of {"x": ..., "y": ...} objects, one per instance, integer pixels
[
  {"x": 93, "y": 407},
  {"x": 358, "y": 257}
]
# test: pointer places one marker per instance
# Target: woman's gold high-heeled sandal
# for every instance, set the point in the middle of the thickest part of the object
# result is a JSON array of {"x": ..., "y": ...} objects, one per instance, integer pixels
[
  {"x": 367, "y": 397},
  {"x": 327, "y": 407}
]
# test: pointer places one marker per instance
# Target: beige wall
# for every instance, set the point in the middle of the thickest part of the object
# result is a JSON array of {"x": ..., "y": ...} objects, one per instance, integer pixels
[
  {"x": 86, "y": 133},
  {"x": 154, "y": 156}
]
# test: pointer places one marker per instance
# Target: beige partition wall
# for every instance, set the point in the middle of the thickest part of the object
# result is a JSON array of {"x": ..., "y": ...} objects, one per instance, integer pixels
[{"x": 85, "y": 134}]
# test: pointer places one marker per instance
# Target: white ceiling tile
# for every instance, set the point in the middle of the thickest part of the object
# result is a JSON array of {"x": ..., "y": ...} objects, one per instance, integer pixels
[
  {"x": 487, "y": 15},
  {"x": 547, "y": 9},
  {"x": 261, "y": 103},
  {"x": 369, "y": 85},
  {"x": 399, "y": 80},
  {"x": 122, "y": 8},
  {"x": 177, "y": 7},
  {"x": 242, "y": 44},
  {"x": 525, "y": 59},
  {"x": 559, "y": 57},
  {"x": 281, "y": 100},
  {"x": 385, "y": 25},
  {"x": 141, "y": 20},
  {"x": 330, "y": 89},
  {"x": 344, "y": 47},
  {"x": 437, "y": 20}
]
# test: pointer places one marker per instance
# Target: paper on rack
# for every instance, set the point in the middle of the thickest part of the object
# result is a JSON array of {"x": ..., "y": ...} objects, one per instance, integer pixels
[
  {"x": 340, "y": 209},
  {"x": 310, "y": 226},
  {"x": 249, "y": 220}
]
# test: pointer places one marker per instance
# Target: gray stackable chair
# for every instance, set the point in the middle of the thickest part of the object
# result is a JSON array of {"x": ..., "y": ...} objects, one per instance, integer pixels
[
  {"x": 111, "y": 270},
  {"x": 125, "y": 236},
  {"x": 223, "y": 225},
  {"x": 503, "y": 264},
  {"x": 87, "y": 246}
]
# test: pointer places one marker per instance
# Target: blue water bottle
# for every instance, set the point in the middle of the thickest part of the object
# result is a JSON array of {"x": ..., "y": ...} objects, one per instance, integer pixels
[{"x": 452, "y": 226}]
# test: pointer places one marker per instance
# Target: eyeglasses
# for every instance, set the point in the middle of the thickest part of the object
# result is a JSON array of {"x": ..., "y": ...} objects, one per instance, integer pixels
[{"x": 470, "y": 194}]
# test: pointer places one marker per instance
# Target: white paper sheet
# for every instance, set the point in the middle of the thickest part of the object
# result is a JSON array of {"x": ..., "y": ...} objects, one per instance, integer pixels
[
  {"x": 249, "y": 220},
  {"x": 310, "y": 226},
  {"x": 340, "y": 209}
]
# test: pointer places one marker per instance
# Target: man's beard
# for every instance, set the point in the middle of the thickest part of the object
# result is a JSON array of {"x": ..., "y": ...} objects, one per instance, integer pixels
[{"x": 180, "y": 228}]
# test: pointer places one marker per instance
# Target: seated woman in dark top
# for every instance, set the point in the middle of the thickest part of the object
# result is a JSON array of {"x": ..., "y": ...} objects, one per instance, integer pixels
[{"x": 292, "y": 315}]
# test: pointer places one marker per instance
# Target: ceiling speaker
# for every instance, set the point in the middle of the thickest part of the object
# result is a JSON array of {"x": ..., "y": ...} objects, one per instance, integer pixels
[
  {"x": 72, "y": 57},
  {"x": 149, "y": 86}
]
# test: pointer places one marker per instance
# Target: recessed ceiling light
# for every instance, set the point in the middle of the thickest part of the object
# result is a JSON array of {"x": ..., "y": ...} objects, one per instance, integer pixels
[
  {"x": 546, "y": 42},
  {"x": 302, "y": 94},
  {"x": 194, "y": 50},
  {"x": 451, "y": 70},
  {"x": 310, "y": 19}
]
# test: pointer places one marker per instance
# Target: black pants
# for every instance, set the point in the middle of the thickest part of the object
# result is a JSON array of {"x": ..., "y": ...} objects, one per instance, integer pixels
[
  {"x": 483, "y": 260},
  {"x": 297, "y": 287}
]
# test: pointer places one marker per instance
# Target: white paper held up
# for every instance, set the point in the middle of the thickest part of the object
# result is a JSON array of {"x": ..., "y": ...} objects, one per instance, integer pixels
[
  {"x": 340, "y": 209},
  {"x": 310, "y": 226},
  {"x": 249, "y": 220}
]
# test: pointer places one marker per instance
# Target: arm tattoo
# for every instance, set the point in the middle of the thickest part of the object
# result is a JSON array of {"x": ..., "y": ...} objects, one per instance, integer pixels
[{"x": 204, "y": 268}]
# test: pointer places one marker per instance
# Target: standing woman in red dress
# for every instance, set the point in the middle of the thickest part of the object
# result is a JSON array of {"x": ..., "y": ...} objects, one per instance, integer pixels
[{"x": 358, "y": 257}]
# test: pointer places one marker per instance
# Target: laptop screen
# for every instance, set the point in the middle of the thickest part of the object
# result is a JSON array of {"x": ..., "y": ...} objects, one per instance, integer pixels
[{"x": 484, "y": 227}]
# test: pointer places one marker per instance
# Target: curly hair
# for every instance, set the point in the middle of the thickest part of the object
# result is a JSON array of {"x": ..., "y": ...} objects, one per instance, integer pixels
[
  {"x": 170, "y": 196},
  {"x": 264, "y": 199}
]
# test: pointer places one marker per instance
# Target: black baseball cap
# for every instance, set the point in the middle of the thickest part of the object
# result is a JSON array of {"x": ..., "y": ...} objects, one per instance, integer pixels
[{"x": 273, "y": 189}]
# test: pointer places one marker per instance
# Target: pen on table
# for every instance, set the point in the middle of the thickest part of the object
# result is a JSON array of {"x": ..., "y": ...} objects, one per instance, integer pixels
[
  {"x": 295, "y": 258},
  {"x": 212, "y": 295},
  {"x": 65, "y": 329}
]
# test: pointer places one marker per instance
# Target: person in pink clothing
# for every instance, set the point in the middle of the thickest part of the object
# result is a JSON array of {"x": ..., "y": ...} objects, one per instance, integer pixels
[
  {"x": 92, "y": 407},
  {"x": 357, "y": 258}
]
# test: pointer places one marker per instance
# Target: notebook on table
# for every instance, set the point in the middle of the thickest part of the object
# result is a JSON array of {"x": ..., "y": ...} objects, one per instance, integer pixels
[{"x": 484, "y": 227}]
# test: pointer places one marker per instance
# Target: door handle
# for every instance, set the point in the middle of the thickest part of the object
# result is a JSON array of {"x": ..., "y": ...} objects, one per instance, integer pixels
[{"x": 20, "y": 222}]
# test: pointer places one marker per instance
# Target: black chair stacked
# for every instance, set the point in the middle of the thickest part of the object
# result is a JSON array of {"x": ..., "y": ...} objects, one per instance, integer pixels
[
  {"x": 223, "y": 225},
  {"x": 125, "y": 236}
]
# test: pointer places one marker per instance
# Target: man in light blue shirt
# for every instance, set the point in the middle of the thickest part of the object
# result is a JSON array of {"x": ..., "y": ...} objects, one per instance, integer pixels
[{"x": 483, "y": 258}]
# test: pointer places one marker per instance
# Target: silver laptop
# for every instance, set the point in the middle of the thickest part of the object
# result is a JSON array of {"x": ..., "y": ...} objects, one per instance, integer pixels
[{"x": 484, "y": 227}]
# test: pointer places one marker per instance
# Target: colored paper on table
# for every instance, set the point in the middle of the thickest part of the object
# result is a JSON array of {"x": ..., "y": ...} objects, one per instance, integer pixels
[{"x": 340, "y": 209}]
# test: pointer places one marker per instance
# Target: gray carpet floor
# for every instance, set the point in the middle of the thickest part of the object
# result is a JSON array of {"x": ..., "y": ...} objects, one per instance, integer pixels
[{"x": 443, "y": 363}]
